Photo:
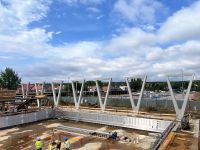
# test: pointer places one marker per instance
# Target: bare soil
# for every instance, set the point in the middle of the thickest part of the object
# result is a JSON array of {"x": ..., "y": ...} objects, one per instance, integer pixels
[{"x": 23, "y": 137}]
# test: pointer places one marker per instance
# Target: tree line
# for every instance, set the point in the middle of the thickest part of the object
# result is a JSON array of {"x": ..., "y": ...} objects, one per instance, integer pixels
[
  {"x": 10, "y": 80},
  {"x": 136, "y": 85}
]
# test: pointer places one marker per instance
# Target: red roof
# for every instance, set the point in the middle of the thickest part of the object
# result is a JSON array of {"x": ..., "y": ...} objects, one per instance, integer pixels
[{"x": 196, "y": 95}]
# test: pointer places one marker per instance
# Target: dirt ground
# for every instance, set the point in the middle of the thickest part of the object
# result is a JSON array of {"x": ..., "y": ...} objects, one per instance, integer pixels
[
  {"x": 180, "y": 141},
  {"x": 183, "y": 141},
  {"x": 23, "y": 137}
]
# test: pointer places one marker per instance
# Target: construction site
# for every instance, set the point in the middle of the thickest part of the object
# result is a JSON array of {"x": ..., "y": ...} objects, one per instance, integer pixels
[{"x": 100, "y": 117}]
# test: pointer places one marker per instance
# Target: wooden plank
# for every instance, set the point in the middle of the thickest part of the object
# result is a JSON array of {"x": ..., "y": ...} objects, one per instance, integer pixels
[
  {"x": 167, "y": 142},
  {"x": 7, "y": 95}
]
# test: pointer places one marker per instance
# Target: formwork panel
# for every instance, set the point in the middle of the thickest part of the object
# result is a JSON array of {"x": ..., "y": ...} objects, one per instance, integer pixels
[
  {"x": 147, "y": 124},
  {"x": 9, "y": 121}
]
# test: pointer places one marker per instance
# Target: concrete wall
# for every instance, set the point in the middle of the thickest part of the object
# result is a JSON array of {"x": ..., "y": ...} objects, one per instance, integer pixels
[
  {"x": 13, "y": 120},
  {"x": 146, "y": 124}
]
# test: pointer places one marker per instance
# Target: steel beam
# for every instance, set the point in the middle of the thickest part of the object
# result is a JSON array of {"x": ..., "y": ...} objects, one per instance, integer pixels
[
  {"x": 103, "y": 104},
  {"x": 56, "y": 99},
  {"x": 77, "y": 103},
  {"x": 180, "y": 111},
  {"x": 136, "y": 107}
]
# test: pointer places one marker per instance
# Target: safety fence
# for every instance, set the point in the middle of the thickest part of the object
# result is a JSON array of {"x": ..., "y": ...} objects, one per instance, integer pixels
[{"x": 125, "y": 102}]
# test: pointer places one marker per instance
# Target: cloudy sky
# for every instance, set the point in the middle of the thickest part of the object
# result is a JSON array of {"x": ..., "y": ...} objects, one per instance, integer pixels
[{"x": 57, "y": 39}]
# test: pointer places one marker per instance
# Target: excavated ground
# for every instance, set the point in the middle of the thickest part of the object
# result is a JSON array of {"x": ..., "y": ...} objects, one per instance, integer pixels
[{"x": 23, "y": 137}]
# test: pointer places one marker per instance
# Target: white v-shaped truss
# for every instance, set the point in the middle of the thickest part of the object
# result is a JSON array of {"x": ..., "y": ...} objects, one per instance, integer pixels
[
  {"x": 103, "y": 104},
  {"x": 180, "y": 111},
  {"x": 25, "y": 95},
  {"x": 135, "y": 107},
  {"x": 38, "y": 93},
  {"x": 77, "y": 102},
  {"x": 56, "y": 99}
]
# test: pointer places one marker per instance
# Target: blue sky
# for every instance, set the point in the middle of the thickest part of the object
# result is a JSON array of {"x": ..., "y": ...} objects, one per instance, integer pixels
[{"x": 56, "y": 39}]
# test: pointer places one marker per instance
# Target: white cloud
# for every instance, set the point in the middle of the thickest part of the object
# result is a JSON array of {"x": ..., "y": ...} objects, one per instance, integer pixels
[
  {"x": 99, "y": 17},
  {"x": 183, "y": 25},
  {"x": 26, "y": 41},
  {"x": 75, "y": 50},
  {"x": 93, "y": 9},
  {"x": 130, "y": 51},
  {"x": 131, "y": 41},
  {"x": 15, "y": 37},
  {"x": 85, "y": 2},
  {"x": 138, "y": 10},
  {"x": 15, "y": 14}
]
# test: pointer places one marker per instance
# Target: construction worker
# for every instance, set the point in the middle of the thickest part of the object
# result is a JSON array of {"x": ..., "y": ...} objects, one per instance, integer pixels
[
  {"x": 38, "y": 144},
  {"x": 66, "y": 143},
  {"x": 52, "y": 146},
  {"x": 58, "y": 144}
]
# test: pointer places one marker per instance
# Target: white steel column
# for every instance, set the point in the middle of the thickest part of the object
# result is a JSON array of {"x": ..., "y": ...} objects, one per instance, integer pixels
[
  {"x": 141, "y": 94},
  {"x": 173, "y": 97},
  {"x": 56, "y": 99},
  {"x": 36, "y": 88},
  {"x": 77, "y": 103},
  {"x": 136, "y": 107},
  {"x": 27, "y": 89},
  {"x": 42, "y": 90},
  {"x": 103, "y": 105},
  {"x": 180, "y": 111},
  {"x": 37, "y": 92},
  {"x": 25, "y": 95}
]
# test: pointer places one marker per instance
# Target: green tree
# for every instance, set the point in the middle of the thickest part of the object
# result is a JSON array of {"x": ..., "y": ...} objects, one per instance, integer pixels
[
  {"x": 9, "y": 79},
  {"x": 136, "y": 84}
]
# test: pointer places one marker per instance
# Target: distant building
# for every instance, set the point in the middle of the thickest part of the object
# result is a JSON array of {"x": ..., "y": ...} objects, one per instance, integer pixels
[
  {"x": 196, "y": 96},
  {"x": 47, "y": 88},
  {"x": 123, "y": 87},
  {"x": 92, "y": 88},
  {"x": 114, "y": 90}
]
